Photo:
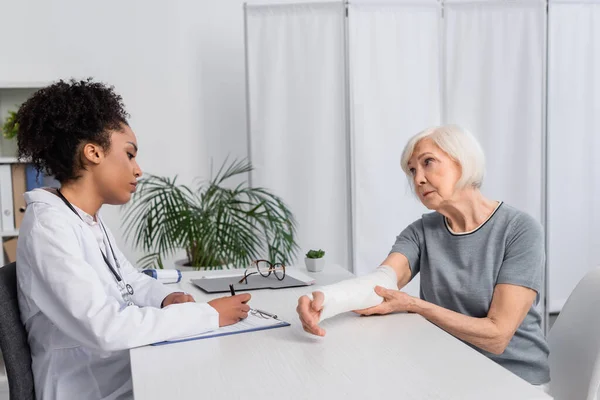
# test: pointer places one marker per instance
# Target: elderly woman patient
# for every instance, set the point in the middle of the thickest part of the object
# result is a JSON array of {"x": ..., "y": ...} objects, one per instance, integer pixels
[{"x": 481, "y": 261}]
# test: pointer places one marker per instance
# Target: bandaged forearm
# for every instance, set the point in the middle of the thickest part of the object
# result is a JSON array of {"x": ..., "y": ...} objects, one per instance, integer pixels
[{"x": 357, "y": 293}]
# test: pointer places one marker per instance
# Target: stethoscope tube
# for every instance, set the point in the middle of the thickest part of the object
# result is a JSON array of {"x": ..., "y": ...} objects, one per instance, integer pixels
[{"x": 117, "y": 276}]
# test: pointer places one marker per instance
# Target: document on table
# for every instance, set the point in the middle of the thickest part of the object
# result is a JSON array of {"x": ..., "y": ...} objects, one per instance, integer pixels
[{"x": 254, "y": 322}]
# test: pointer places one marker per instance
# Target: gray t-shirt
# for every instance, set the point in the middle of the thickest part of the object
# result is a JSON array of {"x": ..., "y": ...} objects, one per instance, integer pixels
[{"x": 459, "y": 272}]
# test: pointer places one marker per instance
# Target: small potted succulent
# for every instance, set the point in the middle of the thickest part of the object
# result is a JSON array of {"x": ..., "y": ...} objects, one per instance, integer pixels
[{"x": 315, "y": 260}]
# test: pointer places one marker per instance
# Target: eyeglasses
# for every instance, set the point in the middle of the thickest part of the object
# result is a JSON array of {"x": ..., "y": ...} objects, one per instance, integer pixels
[
  {"x": 264, "y": 268},
  {"x": 262, "y": 314}
]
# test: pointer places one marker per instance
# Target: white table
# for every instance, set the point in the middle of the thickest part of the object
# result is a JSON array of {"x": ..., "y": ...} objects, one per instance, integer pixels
[{"x": 400, "y": 356}]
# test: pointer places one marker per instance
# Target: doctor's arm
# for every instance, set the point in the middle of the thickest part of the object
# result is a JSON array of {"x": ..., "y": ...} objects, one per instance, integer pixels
[
  {"x": 71, "y": 294},
  {"x": 148, "y": 292}
]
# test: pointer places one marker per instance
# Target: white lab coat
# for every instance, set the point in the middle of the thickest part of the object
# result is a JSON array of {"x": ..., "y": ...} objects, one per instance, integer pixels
[{"x": 78, "y": 324}]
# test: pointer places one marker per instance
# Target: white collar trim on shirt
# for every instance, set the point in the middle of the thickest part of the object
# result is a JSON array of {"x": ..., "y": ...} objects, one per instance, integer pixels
[{"x": 471, "y": 231}]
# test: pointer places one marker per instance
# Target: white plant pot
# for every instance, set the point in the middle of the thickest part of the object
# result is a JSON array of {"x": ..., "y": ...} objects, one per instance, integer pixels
[
  {"x": 315, "y": 264},
  {"x": 180, "y": 265}
]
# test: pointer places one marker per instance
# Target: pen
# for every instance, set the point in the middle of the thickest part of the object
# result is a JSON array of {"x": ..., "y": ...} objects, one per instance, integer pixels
[{"x": 231, "y": 290}]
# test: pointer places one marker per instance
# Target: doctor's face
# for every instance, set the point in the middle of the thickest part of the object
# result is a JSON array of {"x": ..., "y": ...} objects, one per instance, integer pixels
[{"x": 119, "y": 170}]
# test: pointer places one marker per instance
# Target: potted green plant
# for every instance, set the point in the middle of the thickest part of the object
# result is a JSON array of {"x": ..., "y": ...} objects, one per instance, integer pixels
[
  {"x": 10, "y": 126},
  {"x": 218, "y": 226},
  {"x": 315, "y": 260}
]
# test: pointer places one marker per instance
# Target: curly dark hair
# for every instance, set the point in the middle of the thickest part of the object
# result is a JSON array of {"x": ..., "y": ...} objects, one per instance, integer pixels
[{"x": 56, "y": 120}]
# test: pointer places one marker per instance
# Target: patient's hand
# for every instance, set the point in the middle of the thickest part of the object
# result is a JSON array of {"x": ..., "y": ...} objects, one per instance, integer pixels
[
  {"x": 310, "y": 313},
  {"x": 393, "y": 301}
]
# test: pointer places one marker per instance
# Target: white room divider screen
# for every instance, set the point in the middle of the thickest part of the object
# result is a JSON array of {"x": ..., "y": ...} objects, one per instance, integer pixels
[
  {"x": 298, "y": 143},
  {"x": 395, "y": 82},
  {"x": 495, "y": 88},
  {"x": 573, "y": 145},
  {"x": 398, "y": 67}
]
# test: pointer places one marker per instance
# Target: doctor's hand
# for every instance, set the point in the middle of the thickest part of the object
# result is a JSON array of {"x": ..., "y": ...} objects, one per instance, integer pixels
[
  {"x": 393, "y": 301},
  {"x": 310, "y": 313},
  {"x": 231, "y": 309},
  {"x": 176, "y": 298}
]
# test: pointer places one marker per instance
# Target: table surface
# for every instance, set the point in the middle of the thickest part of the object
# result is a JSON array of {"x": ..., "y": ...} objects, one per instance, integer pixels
[{"x": 399, "y": 355}]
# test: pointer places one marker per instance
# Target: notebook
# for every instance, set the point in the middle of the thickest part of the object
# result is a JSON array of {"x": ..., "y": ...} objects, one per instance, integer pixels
[{"x": 251, "y": 324}]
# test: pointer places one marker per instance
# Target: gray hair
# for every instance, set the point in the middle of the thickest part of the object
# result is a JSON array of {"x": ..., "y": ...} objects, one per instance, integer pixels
[{"x": 459, "y": 144}]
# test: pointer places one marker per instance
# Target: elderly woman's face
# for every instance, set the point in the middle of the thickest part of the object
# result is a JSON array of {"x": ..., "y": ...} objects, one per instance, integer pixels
[{"x": 434, "y": 173}]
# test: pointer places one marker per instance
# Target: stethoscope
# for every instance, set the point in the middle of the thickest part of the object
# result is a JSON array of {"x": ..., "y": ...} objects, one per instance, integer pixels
[{"x": 125, "y": 288}]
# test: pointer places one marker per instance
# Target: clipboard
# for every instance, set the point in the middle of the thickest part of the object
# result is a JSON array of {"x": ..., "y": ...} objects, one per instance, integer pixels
[{"x": 253, "y": 323}]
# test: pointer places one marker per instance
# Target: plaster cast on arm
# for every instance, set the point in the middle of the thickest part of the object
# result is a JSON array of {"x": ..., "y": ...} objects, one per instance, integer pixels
[{"x": 357, "y": 293}]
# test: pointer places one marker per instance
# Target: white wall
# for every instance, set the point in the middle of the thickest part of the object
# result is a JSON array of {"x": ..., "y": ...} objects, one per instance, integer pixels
[{"x": 178, "y": 65}]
